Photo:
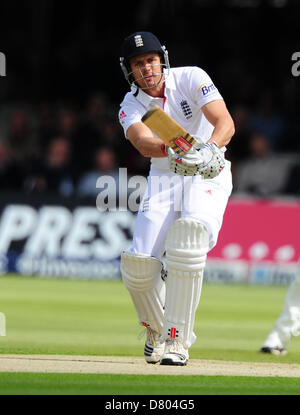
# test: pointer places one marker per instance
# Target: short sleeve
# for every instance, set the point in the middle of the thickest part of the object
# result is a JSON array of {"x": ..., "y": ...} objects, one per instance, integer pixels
[
  {"x": 202, "y": 87},
  {"x": 129, "y": 115}
]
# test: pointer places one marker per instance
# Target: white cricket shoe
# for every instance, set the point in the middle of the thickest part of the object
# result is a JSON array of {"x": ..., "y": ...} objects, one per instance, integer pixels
[
  {"x": 153, "y": 349},
  {"x": 174, "y": 354},
  {"x": 274, "y": 344}
]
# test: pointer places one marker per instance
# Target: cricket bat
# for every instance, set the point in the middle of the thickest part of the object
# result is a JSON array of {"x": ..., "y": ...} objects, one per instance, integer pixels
[{"x": 168, "y": 130}]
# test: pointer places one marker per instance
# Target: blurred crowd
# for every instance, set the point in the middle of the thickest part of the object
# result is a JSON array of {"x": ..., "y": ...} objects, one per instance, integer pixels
[
  {"x": 59, "y": 102},
  {"x": 63, "y": 149},
  {"x": 59, "y": 149}
]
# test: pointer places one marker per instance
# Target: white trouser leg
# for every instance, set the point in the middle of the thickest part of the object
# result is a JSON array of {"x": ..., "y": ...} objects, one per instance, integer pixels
[
  {"x": 141, "y": 275},
  {"x": 288, "y": 323},
  {"x": 186, "y": 249}
]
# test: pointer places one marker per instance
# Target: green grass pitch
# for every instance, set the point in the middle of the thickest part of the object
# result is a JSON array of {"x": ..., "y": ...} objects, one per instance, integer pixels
[{"x": 59, "y": 316}]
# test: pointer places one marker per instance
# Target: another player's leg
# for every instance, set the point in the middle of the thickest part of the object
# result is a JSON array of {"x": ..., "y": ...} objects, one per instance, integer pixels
[
  {"x": 186, "y": 249},
  {"x": 288, "y": 323},
  {"x": 141, "y": 275}
]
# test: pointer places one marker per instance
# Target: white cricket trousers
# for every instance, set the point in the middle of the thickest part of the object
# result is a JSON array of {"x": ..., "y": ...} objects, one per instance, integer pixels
[
  {"x": 169, "y": 197},
  {"x": 288, "y": 323}
]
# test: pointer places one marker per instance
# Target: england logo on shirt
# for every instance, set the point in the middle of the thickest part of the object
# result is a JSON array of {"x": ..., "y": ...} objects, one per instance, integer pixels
[{"x": 186, "y": 109}]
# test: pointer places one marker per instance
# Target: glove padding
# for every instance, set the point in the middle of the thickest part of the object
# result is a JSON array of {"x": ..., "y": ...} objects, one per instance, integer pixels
[{"x": 207, "y": 160}]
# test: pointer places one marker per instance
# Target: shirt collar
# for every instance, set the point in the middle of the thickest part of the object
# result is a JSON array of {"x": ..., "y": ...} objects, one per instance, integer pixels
[
  {"x": 146, "y": 99},
  {"x": 170, "y": 81}
]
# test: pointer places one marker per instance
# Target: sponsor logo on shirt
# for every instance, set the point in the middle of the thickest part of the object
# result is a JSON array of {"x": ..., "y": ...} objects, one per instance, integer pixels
[
  {"x": 122, "y": 115},
  {"x": 206, "y": 89}
]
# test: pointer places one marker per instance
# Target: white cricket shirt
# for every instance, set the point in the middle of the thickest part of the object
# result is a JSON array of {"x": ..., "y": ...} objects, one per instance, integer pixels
[{"x": 187, "y": 89}]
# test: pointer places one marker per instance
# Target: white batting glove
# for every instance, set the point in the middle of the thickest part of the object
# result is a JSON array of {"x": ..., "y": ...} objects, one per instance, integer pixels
[
  {"x": 187, "y": 165},
  {"x": 213, "y": 160},
  {"x": 207, "y": 160}
]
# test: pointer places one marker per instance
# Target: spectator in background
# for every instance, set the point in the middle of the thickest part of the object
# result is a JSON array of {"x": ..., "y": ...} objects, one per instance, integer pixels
[
  {"x": 112, "y": 133},
  {"x": 263, "y": 173},
  {"x": 20, "y": 148},
  {"x": 239, "y": 145},
  {"x": 57, "y": 173},
  {"x": 292, "y": 184},
  {"x": 105, "y": 164},
  {"x": 66, "y": 123},
  {"x": 268, "y": 121},
  {"x": 89, "y": 135},
  {"x": 239, "y": 148},
  {"x": 22, "y": 142},
  {"x": 53, "y": 122},
  {"x": 290, "y": 109}
]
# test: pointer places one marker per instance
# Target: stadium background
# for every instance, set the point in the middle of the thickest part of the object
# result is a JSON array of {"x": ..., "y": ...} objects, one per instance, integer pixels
[{"x": 59, "y": 130}]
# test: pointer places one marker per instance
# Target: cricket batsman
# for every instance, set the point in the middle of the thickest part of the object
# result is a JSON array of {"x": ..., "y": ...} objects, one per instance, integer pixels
[{"x": 181, "y": 212}]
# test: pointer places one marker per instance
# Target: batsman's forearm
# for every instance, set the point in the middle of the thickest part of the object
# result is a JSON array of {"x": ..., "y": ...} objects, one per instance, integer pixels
[
  {"x": 149, "y": 146},
  {"x": 141, "y": 137},
  {"x": 223, "y": 132}
]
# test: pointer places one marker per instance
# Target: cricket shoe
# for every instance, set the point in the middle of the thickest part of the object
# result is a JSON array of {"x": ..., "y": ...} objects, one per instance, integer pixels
[
  {"x": 274, "y": 350},
  {"x": 153, "y": 349},
  {"x": 175, "y": 353},
  {"x": 274, "y": 345}
]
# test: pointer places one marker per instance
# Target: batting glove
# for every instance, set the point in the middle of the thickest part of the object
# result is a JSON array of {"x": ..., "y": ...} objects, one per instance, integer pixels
[
  {"x": 207, "y": 160},
  {"x": 213, "y": 160}
]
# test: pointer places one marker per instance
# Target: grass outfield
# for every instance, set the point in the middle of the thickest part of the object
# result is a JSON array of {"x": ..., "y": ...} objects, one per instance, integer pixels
[
  {"x": 56, "y": 316},
  {"x": 111, "y": 384}
]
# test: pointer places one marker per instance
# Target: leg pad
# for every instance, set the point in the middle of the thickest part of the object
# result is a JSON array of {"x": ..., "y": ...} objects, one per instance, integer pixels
[
  {"x": 187, "y": 245},
  {"x": 141, "y": 275}
]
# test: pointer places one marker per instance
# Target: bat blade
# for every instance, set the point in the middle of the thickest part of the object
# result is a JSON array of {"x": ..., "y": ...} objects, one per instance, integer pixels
[{"x": 168, "y": 130}]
